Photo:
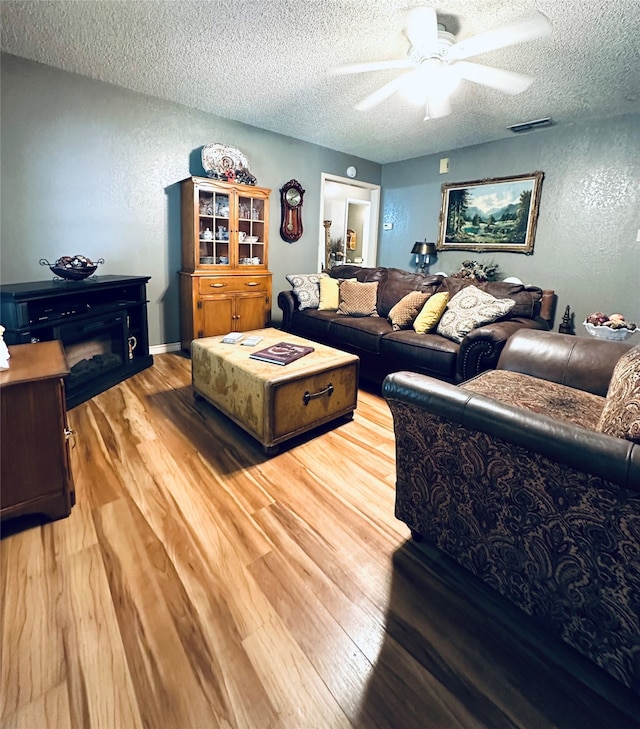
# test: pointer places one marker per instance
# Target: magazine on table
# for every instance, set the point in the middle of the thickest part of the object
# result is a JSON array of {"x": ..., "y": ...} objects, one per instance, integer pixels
[{"x": 282, "y": 353}]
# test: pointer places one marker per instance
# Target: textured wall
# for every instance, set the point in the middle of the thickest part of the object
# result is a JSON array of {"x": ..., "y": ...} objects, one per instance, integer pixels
[
  {"x": 585, "y": 247},
  {"x": 91, "y": 168}
]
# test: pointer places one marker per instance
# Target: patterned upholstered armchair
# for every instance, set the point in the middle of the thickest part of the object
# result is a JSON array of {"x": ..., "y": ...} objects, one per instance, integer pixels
[{"x": 529, "y": 477}]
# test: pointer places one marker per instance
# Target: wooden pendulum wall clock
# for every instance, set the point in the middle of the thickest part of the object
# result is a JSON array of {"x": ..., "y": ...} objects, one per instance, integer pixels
[{"x": 291, "y": 194}]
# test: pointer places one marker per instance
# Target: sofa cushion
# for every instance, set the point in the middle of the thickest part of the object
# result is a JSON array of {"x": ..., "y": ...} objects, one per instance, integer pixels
[
  {"x": 431, "y": 312},
  {"x": 358, "y": 299},
  {"x": 621, "y": 414},
  {"x": 403, "y": 314},
  {"x": 470, "y": 308},
  {"x": 559, "y": 402},
  {"x": 364, "y": 275},
  {"x": 527, "y": 298},
  {"x": 398, "y": 283},
  {"x": 359, "y": 333},
  {"x": 313, "y": 323},
  {"x": 306, "y": 286},
  {"x": 427, "y": 353}
]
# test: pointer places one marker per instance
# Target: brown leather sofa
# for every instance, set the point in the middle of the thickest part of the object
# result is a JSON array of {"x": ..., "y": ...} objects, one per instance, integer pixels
[
  {"x": 383, "y": 350},
  {"x": 512, "y": 477}
]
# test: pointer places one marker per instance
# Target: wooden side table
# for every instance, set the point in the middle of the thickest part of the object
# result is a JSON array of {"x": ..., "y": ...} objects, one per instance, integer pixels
[{"x": 35, "y": 469}]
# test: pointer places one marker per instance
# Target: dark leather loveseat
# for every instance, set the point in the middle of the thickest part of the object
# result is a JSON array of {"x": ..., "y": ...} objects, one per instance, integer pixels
[{"x": 383, "y": 350}]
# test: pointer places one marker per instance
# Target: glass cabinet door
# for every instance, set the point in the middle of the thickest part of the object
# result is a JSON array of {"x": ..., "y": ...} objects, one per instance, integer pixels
[
  {"x": 214, "y": 229},
  {"x": 251, "y": 231}
]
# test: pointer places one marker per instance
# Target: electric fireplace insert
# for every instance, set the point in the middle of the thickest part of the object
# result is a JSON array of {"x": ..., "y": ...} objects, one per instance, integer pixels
[{"x": 101, "y": 322}]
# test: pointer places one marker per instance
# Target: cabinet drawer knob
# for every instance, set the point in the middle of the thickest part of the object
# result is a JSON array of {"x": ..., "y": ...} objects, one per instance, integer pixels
[
  {"x": 217, "y": 285},
  {"x": 252, "y": 283}
]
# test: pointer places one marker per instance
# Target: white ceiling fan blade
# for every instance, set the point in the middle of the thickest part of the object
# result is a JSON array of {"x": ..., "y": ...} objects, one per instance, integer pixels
[
  {"x": 497, "y": 78},
  {"x": 437, "y": 107},
  {"x": 422, "y": 29},
  {"x": 384, "y": 92},
  {"x": 508, "y": 35},
  {"x": 373, "y": 66}
]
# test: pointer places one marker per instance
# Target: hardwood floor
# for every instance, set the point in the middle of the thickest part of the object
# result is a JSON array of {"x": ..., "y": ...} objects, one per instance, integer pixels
[{"x": 198, "y": 584}]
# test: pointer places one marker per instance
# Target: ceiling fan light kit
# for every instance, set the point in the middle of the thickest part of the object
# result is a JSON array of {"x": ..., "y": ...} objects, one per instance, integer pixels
[{"x": 435, "y": 62}]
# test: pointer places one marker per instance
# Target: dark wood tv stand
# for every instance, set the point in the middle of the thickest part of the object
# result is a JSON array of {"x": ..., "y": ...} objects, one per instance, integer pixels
[{"x": 101, "y": 322}]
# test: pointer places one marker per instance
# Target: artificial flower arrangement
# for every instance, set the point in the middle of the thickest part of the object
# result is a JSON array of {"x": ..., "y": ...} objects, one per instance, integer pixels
[{"x": 477, "y": 271}]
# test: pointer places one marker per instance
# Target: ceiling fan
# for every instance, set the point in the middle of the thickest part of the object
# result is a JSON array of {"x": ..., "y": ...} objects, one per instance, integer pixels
[{"x": 437, "y": 62}]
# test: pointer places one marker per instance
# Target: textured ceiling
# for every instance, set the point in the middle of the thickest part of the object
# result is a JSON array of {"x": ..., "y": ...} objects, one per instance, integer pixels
[{"x": 266, "y": 63}]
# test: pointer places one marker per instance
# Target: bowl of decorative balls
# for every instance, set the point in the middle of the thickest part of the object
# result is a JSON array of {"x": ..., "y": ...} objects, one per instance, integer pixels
[
  {"x": 73, "y": 268},
  {"x": 612, "y": 326}
]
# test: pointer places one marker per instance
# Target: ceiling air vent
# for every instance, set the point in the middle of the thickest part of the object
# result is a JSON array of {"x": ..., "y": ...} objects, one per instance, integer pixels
[{"x": 535, "y": 124}]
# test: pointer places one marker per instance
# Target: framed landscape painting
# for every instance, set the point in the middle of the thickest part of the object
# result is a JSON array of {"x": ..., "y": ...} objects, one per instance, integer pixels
[{"x": 497, "y": 214}]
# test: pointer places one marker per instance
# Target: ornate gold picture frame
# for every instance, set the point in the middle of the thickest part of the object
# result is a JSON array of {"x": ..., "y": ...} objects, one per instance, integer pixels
[{"x": 498, "y": 214}]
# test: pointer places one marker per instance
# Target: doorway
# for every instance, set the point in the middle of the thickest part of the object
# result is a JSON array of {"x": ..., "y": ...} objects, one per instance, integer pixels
[{"x": 349, "y": 214}]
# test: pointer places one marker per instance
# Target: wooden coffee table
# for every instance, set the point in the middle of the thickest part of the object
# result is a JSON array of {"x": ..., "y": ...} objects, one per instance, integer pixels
[{"x": 274, "y": 403}]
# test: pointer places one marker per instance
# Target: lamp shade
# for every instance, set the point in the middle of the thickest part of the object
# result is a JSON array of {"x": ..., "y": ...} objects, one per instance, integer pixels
[{"x": 423, "y": 248}]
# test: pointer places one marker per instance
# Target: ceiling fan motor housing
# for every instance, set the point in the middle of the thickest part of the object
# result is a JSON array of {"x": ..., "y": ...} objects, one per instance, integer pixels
[{"x": 439, "y": 53}]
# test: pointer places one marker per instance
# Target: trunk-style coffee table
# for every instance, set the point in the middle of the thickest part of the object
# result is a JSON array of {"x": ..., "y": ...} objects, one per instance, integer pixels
[{"x": 274, "y": 403}]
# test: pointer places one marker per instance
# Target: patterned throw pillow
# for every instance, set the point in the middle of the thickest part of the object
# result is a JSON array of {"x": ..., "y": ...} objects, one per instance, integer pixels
[
  {"x": 621, "y": 414},
  {"x": 306, "y": 286},
  {"x": 431, "y": 313},
  {"x": 403, "y": 314},
  {"x": 358, "y": 299},
  {"x": 471, "y": 308}
]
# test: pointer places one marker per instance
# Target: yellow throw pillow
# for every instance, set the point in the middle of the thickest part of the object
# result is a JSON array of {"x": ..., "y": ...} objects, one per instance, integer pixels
[
  {"x": 431, "y": 313},
  {"x": 329, "y": 293}
]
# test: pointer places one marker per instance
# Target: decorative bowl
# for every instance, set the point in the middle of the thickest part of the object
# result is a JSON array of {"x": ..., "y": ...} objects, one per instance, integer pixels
[
  {"x": 251, "y": 239},
  {"x": 73, "y": 268},
  {"x": 618, "y": 335}
]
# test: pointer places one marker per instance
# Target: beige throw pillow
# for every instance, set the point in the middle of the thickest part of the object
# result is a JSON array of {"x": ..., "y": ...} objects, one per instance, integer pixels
[
  {"x": 621, "y": 414},
  {"x": 403, "y": 314},
  {"x": 469, "y": 309},
  {"x": 431, "y": 313},
  {"x": 358, "y": 299}
]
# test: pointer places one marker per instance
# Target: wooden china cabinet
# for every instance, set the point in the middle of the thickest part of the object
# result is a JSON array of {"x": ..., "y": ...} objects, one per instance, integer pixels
[{"x": 225, "y": 285}]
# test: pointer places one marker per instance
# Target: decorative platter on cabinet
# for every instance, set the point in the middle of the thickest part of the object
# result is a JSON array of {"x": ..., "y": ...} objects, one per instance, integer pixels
[{"x": 223, "y": 162}]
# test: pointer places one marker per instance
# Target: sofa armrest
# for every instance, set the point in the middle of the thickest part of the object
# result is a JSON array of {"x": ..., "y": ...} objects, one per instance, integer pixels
[
  {"x": 612, "y": 459},
  {"x": 480, "y": 350},
  {"x": 288, "y": 303},
  {"x": 580, "y": 362}
]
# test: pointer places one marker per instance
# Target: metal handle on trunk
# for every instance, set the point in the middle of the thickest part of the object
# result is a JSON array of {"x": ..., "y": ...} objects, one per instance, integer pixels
[{"x": 308, "y": 396}]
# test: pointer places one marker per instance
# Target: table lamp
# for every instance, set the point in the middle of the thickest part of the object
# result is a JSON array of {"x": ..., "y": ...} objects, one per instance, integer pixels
[{"x": 423, "y": 252}]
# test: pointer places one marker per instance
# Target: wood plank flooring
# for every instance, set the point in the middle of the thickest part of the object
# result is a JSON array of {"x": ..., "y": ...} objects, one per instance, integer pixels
[{"x": 198, "y": 584}]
